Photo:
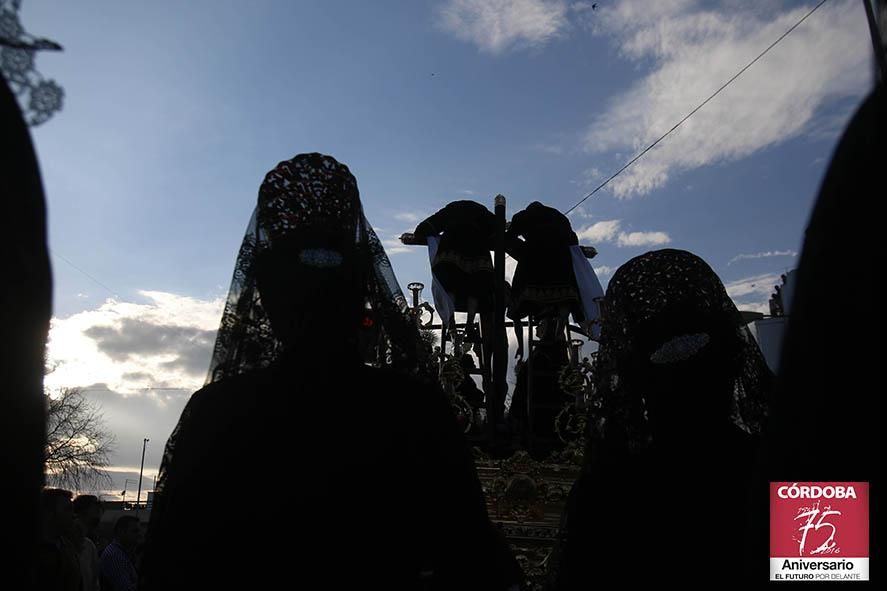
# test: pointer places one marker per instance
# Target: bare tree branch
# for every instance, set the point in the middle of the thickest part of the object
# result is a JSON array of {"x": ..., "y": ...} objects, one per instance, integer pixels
[{"x": 78, "y": 443}]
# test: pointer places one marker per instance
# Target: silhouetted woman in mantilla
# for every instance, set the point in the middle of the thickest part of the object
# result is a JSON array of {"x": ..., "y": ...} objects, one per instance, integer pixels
[
  {"x": 683, "y": 390},
  {"x": 297, "y": 465}
]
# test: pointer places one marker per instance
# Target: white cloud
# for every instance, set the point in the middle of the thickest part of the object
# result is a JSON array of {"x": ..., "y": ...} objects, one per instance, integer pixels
[
  {"x": 497, "y": 25},
  {"x": 589, "y": 178},
  {"x": 117, "y": 352},
  {"x": 580, "y": 212},
  {"x": 753, "y": 293},
  {"x": 762, "y": 307},
  {"x": 603, "y": 231},
  {"x": 756, "y": 286},
  {"x": 126, "y": 346},
  {"x": 148, "y": 472},
  {"x": 603, "y": 270},
  {"x": 761, "y": 255},
  {"x": 394, "y": 246},
  {"x": 466, "y": 192},
  {"x": 610, "y": 231},
  {"x": 642, "y": 239},
  {"x": 692, "y": 50},
  {"x": 408, "y": 216},
  {"x": 592, "y": 174},
  {"x": 828, "y": 128}
]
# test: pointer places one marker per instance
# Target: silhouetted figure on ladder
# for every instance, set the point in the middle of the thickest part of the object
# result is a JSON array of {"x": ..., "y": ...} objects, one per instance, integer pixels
[
  {"x": 463, "y": 264},
  {"x": 544, "y": 283}
]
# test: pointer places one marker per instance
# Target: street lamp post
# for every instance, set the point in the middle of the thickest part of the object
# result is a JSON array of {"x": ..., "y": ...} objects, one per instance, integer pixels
[{"x": 141, "y": 470}]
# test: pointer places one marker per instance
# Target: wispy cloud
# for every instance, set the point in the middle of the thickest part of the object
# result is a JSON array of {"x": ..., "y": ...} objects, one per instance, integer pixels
[
  {"x": 408, "y": 216},
  {"x": 753, "y": 293},
  {"x": 497, "y": 25},
  {"x": 610, "y": 231},
  {"x": 394, "y": 246},
  {"x": 762, "y": 255},
  {"x": 692, "y": 48},
  {"x": 580, "y": 212},
  {"x": 762, "y": 307},
  {"x": 603, "y": 270},
  {"x": 604, "y": 231},
  {"x": 757, "y": 285},
  {"x": 827, "y": 128},
  {"x": 642, "y": 239},
  {"x": 148, "y": 472},
  {"x": 591, "y": 177},
  {"x": 466, "y": 192}
]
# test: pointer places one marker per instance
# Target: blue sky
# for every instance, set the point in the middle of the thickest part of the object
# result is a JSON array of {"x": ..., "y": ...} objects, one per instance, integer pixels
[{"x": 174, "y": 111}]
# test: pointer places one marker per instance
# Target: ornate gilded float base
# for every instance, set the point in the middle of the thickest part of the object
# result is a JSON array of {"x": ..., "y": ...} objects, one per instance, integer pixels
[{"x": 526, "y": 498}]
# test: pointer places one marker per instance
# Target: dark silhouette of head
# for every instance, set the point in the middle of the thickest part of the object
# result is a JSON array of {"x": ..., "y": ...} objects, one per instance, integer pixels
[
  {"x": 308, "y": 270},
  {"x": 88, "y": 512},
  {"x": 58, "y": 512},
  {"x": 128, "y": 531},
  {"x": 671, "y": 333}
]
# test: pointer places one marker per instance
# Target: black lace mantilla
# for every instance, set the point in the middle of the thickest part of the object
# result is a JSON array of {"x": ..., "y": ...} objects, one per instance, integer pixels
[
  {"x": 317, "y": 189},
  {"x": 663, "y": 308},
  {"x": 38, "y": 97},
  {"x": 307, "y": 190}
]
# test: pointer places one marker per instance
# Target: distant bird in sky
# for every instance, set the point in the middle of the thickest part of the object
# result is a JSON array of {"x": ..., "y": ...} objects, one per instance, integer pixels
[{"x": 594, "y": 6}]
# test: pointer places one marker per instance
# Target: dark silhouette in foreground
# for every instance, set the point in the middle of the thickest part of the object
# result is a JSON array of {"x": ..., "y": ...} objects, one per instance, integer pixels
[
  {"x": 826, "y": 422},
  {"x": 683, "y": 389},
  {"x": 118, "y": 562},
  {"x": 382, "y": 488},
  {"x": 25, "y": 309}
]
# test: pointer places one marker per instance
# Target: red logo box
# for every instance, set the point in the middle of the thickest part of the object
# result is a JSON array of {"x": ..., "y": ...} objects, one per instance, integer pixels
[{"x": 819, "y": 531}]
